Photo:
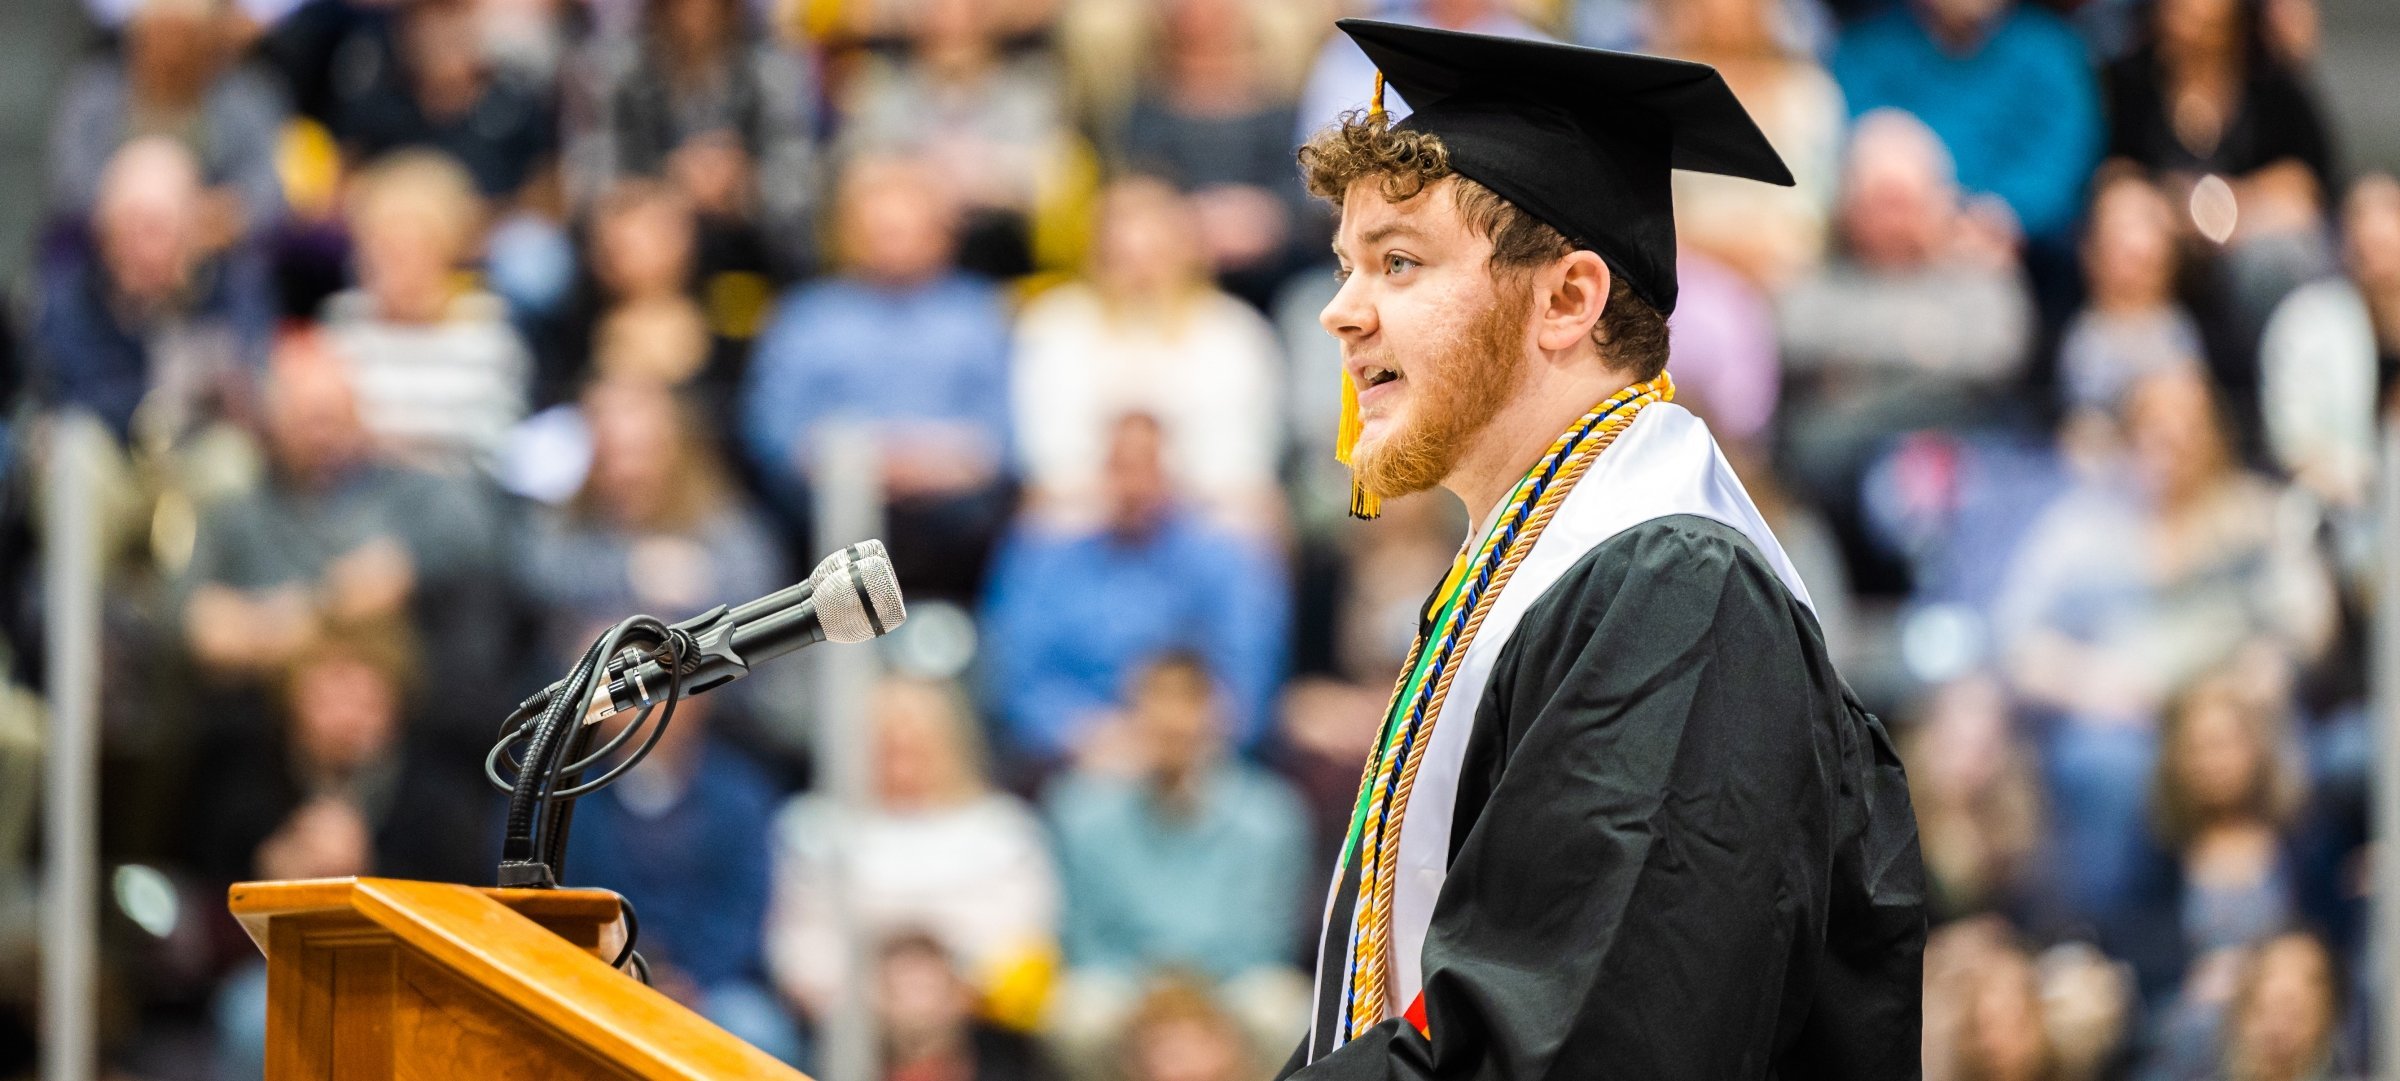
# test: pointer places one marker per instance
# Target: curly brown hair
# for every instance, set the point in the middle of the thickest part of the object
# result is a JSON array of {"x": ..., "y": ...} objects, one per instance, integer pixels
[{"x": 1631, "y": 334}]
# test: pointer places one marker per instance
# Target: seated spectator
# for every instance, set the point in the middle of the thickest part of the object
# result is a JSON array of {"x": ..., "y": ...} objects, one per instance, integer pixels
[
  {"x": 1071, "y": 614},
  {"x": 1969, "y": 69},
  {"x": 332, "y": 537},
  {"x": 703, "y": 97},
  {"x": 2226, "y": 789},
  {"x": 149, "y": 317},
  {"x": 1917, "y": 323},
  {"x": 2330, "y": 360},
  {"x": 1978, "y": 796},
  {"x": 925, "y": 1012},
  {"x": 344, "y": 789},
  {"x": 431, "y": 83},
  {"x": 991, "y": 122},
  {"x": 2285, "y": 1012},
  {"x": 440, "y": 372},
  {"x": 902, "y": 341},
  {"x": 1180, "y": 1033},
  {"x": 656, "y": 526},
  {"x": 1192, "y": 862},
  {"x": 1149, "y": 333},
  {"x": 2132, "y": 584},
  {"x": 2225, "y": 794},
  {"x": 641, "y": 248},
  {"x": 2131, "y": 324},
  {"x": 1217, "y": 124},
  {"x": 175, "y": 76},
  {"x": 937, "y": 851},
  {"x": 2207, "y": 97},
  {"x": 685, "y": 837},
  {"x": 1770, "y": 235},
  {"x": 1984, "y": 1013},
  {"x": 2006, "y": 1040}
]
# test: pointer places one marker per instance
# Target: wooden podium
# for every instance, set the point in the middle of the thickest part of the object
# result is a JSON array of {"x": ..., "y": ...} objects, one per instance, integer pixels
[{"x": 376, "y": 979}]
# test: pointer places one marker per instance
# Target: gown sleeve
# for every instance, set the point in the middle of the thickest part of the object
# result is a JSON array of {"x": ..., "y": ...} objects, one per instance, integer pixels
[{"x": 1671, "y": 779}]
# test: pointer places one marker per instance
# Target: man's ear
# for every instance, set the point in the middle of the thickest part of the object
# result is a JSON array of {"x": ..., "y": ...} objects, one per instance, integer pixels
[{"x": 1569, "y": 301}]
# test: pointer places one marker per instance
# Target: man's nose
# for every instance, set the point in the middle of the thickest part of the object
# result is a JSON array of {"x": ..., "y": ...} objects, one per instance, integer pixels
[{"x": 1348, "y": 315}]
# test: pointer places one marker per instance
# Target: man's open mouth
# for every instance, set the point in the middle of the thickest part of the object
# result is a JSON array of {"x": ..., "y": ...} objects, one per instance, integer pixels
[{"x": 1376, "y": 377}]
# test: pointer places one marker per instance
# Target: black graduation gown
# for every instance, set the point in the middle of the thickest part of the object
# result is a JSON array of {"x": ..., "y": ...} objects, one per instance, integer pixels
[{"x": 1680, "y": 847}]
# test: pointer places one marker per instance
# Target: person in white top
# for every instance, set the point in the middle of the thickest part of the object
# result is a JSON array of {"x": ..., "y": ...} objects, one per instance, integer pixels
[
  {"x": 938, "y": 852},
  {"x": 1148, "y": 333}
]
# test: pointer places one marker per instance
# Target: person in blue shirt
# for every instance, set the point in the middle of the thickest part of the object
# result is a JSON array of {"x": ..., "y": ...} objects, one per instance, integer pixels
[
  {"x": 684, "y": 836},
  {"x": 1193, "y": 861},
  {"x": 905, "y": 343},
  {"x": 1070, "y": 614},
  {"x": 146, "y": 307},
  {"x": 2008, "y": 87}
]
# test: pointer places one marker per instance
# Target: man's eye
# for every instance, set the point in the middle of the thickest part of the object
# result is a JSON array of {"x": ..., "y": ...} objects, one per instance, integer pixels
[
  {"x": 1341, "y": 274},
  {"x": 1395, "y": 264}
]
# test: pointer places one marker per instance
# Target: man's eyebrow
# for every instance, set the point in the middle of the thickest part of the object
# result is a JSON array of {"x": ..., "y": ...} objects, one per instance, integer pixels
[{"x": 1379, "y": 234}]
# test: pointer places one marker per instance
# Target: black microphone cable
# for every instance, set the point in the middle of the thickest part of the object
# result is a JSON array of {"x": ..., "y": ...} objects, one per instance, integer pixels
[{"x": 551, "y": 728}]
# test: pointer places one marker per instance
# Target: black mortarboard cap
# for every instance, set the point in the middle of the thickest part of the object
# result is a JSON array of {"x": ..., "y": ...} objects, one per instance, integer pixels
[{"x": 1583, "y": 139}]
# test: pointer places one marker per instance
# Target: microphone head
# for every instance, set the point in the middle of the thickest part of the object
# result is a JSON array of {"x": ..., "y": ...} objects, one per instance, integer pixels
[
  {"x": 862, "y": 603},
  {"x": 870, "y": 548},
  {"x": 831, "y": 565}
]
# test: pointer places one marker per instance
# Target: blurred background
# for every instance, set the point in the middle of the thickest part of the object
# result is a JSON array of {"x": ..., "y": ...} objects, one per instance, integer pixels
[{"x": 414, "y": 341}]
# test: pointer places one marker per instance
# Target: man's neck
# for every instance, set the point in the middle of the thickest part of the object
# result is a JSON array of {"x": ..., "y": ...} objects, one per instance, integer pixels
[{"x": 1551, "y": 399}]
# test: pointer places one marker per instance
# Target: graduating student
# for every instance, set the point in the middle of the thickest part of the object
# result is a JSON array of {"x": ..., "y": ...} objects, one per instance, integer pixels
[{"x": 1624, "y": 820}]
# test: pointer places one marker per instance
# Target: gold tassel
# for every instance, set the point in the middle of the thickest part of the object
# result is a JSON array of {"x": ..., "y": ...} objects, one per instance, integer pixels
[
  {"x": 1363, "y": 503},
  {"x": 1375, "y": 104}
]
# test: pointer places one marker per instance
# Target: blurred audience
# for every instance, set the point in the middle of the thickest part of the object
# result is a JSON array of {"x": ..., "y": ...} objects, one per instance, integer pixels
[
  {"x": 1728, "y": 367},
  {"x": 342, "y": 790},
  {"x": 441, "y": 374},
  {"x": 2331, "y": 355},
  {"x": 175, "y": 76},
  {"x": 1920, "y": 321},
  {"x": 937, "y": 850},
  {"x": 2228, "y": 786},
  {"x": 1343, "y": 78},
  {"x": 1071, "y": 614},
  {"x": 430, "y": 81},
  {"x": 1216, "y": 123},
  {"x": 150, "y": 316},
  {"x": 1769, "y": 234},
  {"x": 2131, "y": 324},
  {"x": 925, "y": 1012},
  {"x": 2284, "y": 1014},
  {"x": 1180, "y": 1033},
  {"x": 903, "y": 342},
  {"x": 656, "y": 526},
  {"x": 702, "y": 96},
  {"x": 2227, "y": 789},
  {"x": 2006, "y": 86},
  {"x": 2223, "y": 121},
  {"x": 687, "y": 838},
  {"x": 639, "y": 314},
  {"x": 1976, "y": 787},
  {"x": 2133, "y": 584},
  {"x": 1179, "y": 857},
  {"x": 1149, "y": 334},
  {"x": 991, "y": 121},
  {"x": 332, "y": 537}
]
